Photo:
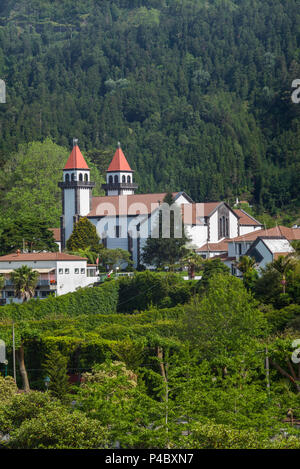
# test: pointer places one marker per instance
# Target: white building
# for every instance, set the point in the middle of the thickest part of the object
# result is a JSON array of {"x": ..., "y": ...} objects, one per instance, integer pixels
[
  {"x": 125, "y": 220},
  {"x": 263, "y": 245},
  {"x": 59, "y": 273}
]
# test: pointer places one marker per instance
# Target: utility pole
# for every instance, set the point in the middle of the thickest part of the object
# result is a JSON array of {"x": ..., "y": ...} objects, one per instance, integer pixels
[
  {"x": 267, "y": 371},
  {"x": 14, "y": 353}
]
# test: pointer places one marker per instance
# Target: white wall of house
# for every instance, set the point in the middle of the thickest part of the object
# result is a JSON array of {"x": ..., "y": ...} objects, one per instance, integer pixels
[
  {"x": 233, "y": 225},
  {"x": 245, "y": 229},
  {"x": 197, "y": 235},
  {"x": 68, "y": 280},
  {"x": 214, "y": 228}
]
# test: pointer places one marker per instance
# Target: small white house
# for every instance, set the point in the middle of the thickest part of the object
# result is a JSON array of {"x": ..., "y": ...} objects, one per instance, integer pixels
[{"x": 59, "y": 273}]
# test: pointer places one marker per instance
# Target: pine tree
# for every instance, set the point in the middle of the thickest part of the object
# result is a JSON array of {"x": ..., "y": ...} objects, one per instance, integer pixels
[
  {"x": 166, "y": 250},
  {"x": 84, "y": 236},
  {"x": 56, "y": 369}
]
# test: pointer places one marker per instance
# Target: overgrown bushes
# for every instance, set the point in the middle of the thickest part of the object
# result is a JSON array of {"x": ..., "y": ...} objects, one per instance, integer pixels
[{"x": 97, "y": 300}]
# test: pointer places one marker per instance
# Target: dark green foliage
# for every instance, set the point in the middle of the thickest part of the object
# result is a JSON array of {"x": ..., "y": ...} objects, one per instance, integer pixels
[
  {"x": 84, "y": 236},
  {"x": 199, "y": 93},
  {"x": 210, "y": 268},
  {"x": 168, "y": 247},
  {"x": 97, "y": 300},
  {"x": 158, "y": 289},
  {"x": 280, "y": 319},
  {"x": 29, "y": 233},
  {"x": 56, "y": 369}
]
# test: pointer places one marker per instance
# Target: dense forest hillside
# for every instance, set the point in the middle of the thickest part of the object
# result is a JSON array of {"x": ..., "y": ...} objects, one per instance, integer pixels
[{"x": 197, "y": 91}]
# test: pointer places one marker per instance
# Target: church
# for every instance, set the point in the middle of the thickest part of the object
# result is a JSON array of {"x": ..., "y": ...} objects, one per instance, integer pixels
[{"x": 125, "y": 219}]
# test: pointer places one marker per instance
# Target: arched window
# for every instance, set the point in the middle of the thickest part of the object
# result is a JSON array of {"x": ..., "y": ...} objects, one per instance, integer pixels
[
  {"x": 80, "y": 177},
  {"x": 110, "y": 180},
  {"x": 67, "y": 178},
  {"x": 128, "y": 179},
  {"x": 123, "y": 178},
  {"x": 223, "y": 227},
  {"x": 86, "y": 177},
  {"x": 73, "y": 177},
  {"x": 220, "y": 228},
  {"x": 227, "y": 228},
  {"x": 116, "y": 179}
]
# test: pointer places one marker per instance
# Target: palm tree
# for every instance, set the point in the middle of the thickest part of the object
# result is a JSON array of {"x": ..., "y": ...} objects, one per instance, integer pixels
[
  {"x": 25, "y": 281},
  {"x": 282, "y": 265},
  {"x": 296, "y": 245},
  {"x": 246, "y": 263},
  {"x": 2, "y": 283},
  {"x": 88, "y": 253},
  {"x": 193, "y": 261}
]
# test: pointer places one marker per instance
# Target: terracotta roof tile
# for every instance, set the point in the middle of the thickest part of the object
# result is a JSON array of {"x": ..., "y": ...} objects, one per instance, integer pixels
[
  {"x": 278, "y": 231},
  {"x": 119, "y": 162},
  {"x": 245, "y": 218},
  {"x": 215, "y": 247},
  {"x": 40, "y": 256},
  {"x": 135, "y": 204},
  {"x": 76, "y": 160}
]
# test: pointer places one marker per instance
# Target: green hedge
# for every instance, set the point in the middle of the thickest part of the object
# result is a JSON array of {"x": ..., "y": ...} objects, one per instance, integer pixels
[{"x": 97, "y": 300}]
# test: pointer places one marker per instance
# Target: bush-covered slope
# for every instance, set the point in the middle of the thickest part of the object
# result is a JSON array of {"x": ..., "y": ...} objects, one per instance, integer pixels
[{"x": 198, "y": 92}]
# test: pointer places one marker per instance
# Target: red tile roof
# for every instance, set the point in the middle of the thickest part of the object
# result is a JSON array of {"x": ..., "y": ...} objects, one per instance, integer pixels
[
  {"x": 135, "y": 204},
  {"x": 246, "y": 219},
  {"x": 279, "y": 231},
  {"x": 119, "y": 162},
  {"x": 40, "y": 256},
  {"x": 76, "y": 160},
  {"x": 215, "y": 247}
]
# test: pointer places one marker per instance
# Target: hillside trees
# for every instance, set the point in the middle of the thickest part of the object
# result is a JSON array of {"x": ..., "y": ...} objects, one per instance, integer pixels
[
  {"x": 29, "y": 184},
  {"x": 198, "y": 93}
]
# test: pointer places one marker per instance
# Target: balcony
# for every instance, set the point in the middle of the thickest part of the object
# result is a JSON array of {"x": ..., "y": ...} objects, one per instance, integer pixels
[{"x": 47, "y": 283}]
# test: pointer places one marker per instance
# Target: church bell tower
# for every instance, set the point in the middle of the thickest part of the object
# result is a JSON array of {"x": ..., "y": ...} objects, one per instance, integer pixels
[
  {"x": 119, "y": 176},
  {"x": 76, "y": 192}
]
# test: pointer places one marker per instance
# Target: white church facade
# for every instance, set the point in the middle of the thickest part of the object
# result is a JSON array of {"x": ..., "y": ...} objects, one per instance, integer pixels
[{"x": 125, "y": 219}]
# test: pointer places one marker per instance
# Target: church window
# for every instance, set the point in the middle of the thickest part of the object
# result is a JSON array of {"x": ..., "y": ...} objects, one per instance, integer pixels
[
  {"x": 73, "y": 177},
  {"x": 86, "y": 177},
  {"x": 67, "y": 178},
  {"x": 227, "y": 228},
  {"x": 80, "y": 177},
  {"x": 128, "y": 179},
  {"x": 111, "y": 179},
  {"x": 116, "y": 179},
  {"x": 123, "y": 178}
]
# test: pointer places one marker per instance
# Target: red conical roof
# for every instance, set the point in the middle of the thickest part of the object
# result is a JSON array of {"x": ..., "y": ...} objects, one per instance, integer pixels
[
  {"x": 76, "y": 160},
  {"x": 119, "y": 162}
]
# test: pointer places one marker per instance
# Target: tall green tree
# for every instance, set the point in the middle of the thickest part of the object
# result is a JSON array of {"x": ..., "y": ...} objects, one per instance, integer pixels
[
  {"x": 25, "y": 281},
  {"x": 26, "y": 233},
  {"x": 56, "y": 369},
  {"x": 168, "y": 245},
  {"x": 84, "y": 236}
]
